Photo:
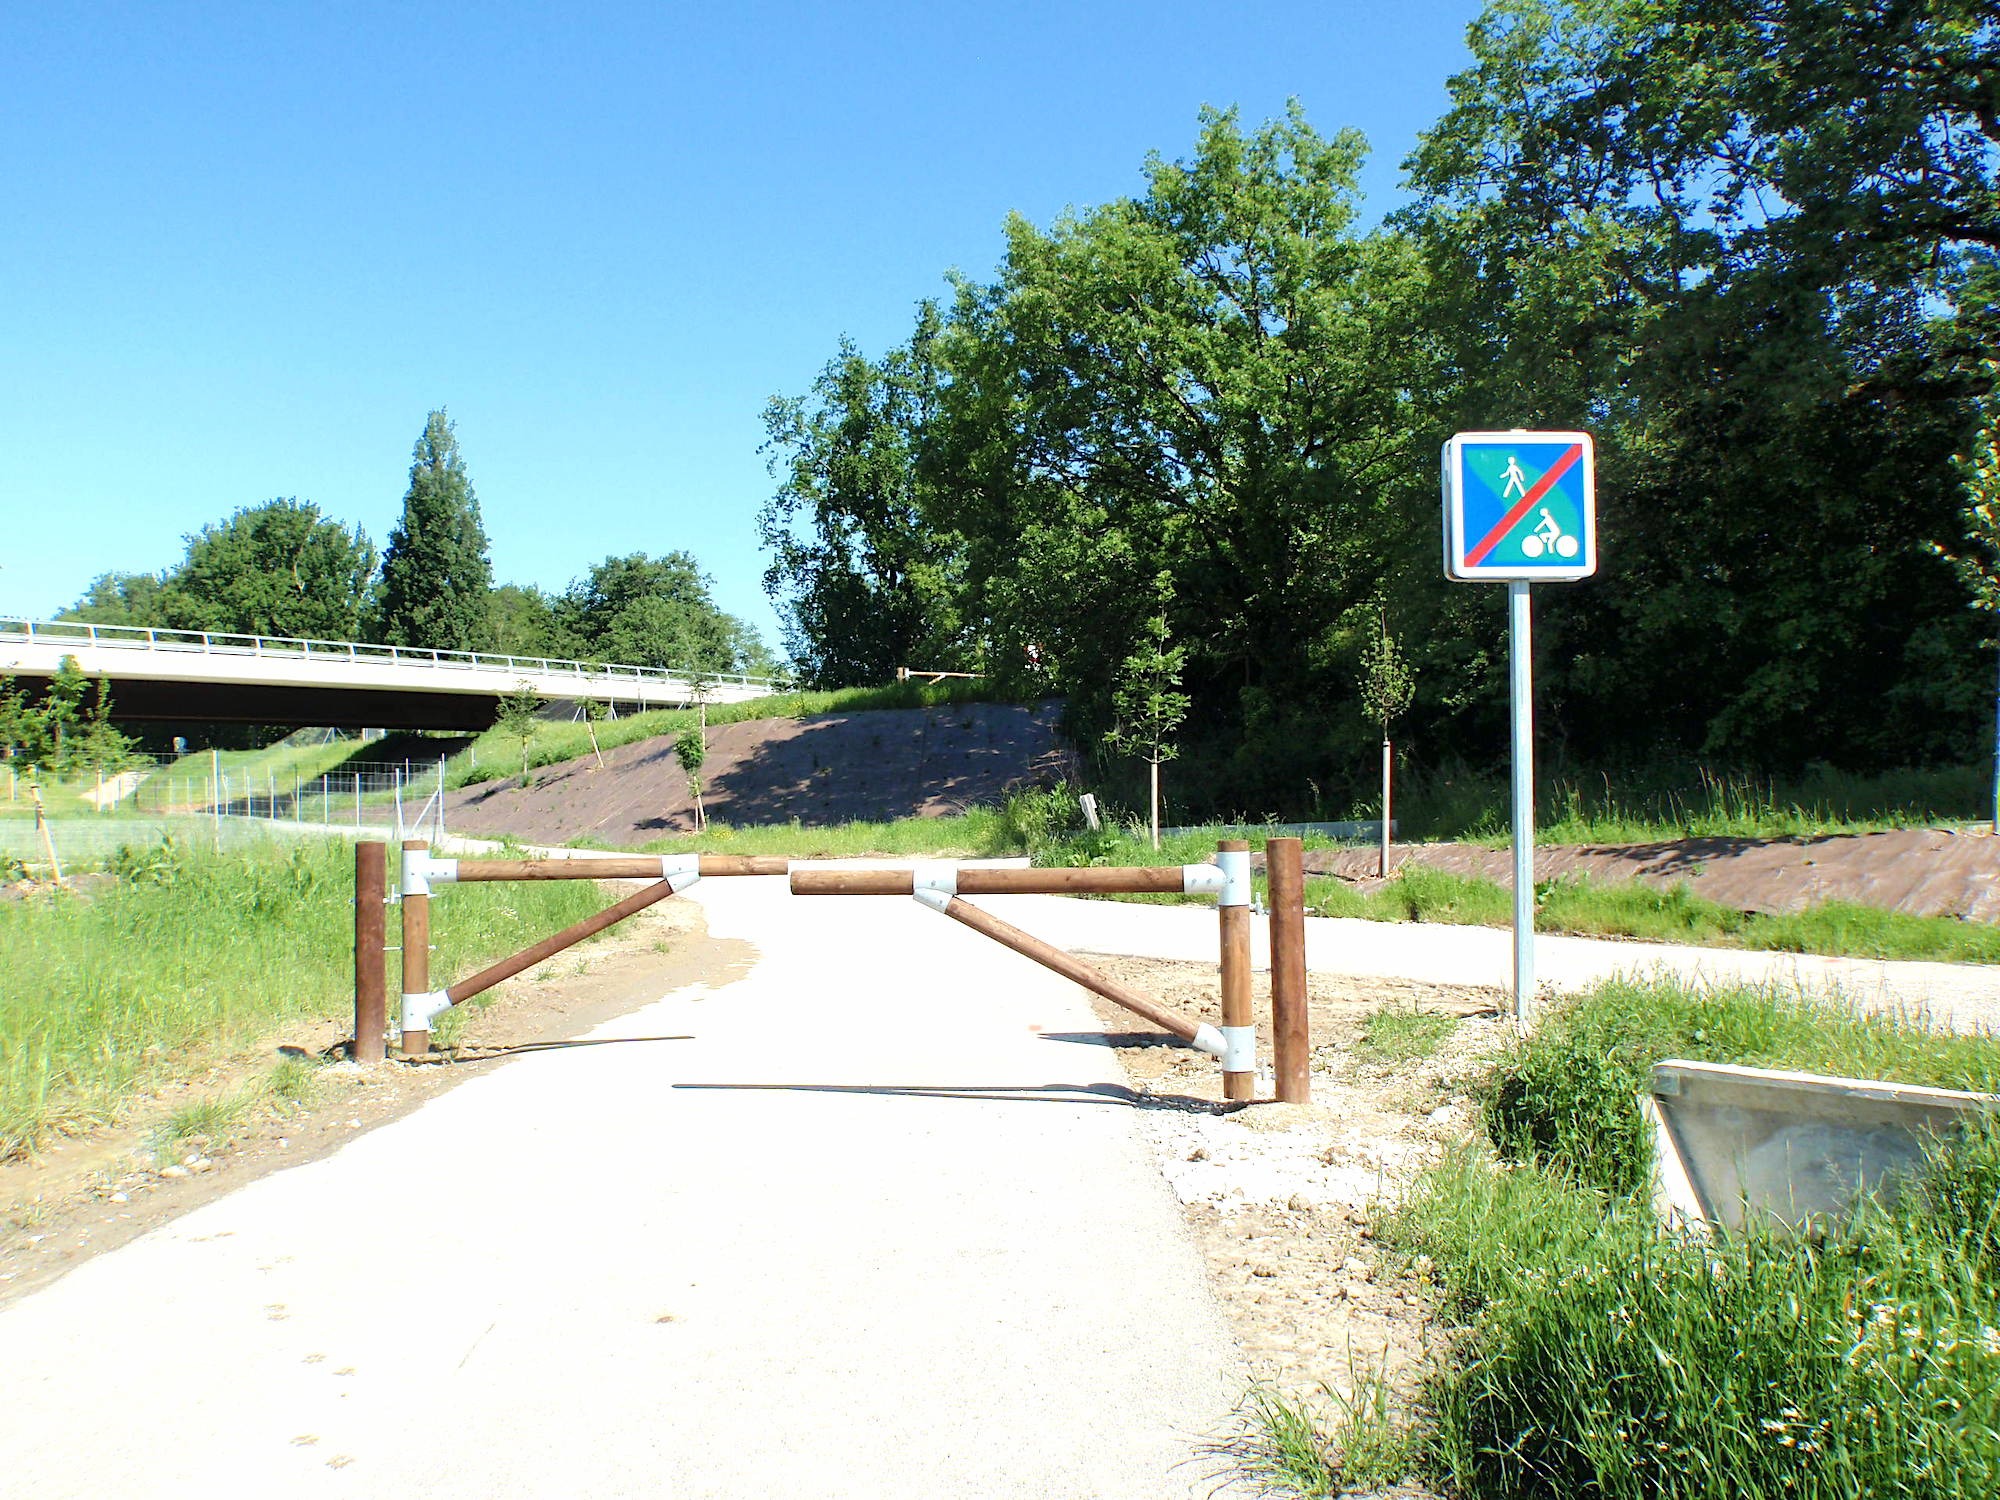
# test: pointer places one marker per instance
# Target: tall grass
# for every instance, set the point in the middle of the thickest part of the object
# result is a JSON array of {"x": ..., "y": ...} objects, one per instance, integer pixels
[
  {"x": 1588, "y": 908},
  {"x": 1604, "y": 807},
  {"x": 193, "y": 954},
  {"x": 1606, "y": 1354},
  {"x": 1565, "y": 1096}
]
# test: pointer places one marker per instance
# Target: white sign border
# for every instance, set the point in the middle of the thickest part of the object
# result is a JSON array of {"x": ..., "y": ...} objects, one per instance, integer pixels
[{"x": 1454, "y": 512}]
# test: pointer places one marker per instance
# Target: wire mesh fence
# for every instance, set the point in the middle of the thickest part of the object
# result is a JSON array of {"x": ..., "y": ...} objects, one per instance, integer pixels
[{"x": 51, "y": 824}]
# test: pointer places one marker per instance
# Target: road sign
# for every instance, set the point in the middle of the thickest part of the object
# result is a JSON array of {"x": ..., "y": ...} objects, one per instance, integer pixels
[{"x": 1520, "y": 506}]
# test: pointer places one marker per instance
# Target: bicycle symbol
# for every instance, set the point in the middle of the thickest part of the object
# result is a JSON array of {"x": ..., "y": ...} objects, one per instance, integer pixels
[{"x": 1549, "y": 537}]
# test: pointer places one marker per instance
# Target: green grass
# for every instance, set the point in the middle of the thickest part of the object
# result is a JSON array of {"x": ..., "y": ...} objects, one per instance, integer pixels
[
  {"x": 1604, "y": 1354},
  {"x": 1674, "y": 915},
  {"x": 197, "y": 954},
  {"x": 1564, "y": 1096},
  {"x": 1689, "y": 802},
  {"x": 1403, "y": 1033},
  {"x": 1331, "y": 1446}
]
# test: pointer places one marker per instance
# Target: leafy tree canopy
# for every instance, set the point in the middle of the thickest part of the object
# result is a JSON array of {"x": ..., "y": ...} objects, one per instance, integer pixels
[
  {"x": 435, "y": 570},
  {"x": 866, "y": 574},
  {"x": 651, "y": 612}
]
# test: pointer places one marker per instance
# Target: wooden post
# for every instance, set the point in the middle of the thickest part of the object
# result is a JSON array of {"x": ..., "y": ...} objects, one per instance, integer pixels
[
  {"x": 548, "y": 947},
  {"x": 1291, "y": 1022},
  {"x": 1050, "y": 957},
  {"x": 416, "y": 953},
  {"x": 1234, "y": 915},
  {"x": 371, "y": 999}
]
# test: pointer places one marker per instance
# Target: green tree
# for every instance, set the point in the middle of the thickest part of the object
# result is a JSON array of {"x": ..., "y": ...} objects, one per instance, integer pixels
[
  {"x": 1387, "y": 687},
  {"x": 1743, "y": 243},
  {"x": 277, "y": 569},
  {"x": 1978, "y": 566},
  {"x": 649, "y": 612},
  {"x": 134, "y": 599},
  {"x": 691, "y": 750},
  {"x": 518, "y": 715},
  {"x": 864, "y": 571},
  {"x": 1147, "y": 705},
  {"x": 435, "y": 571},
  {"x": 1218, "y": 382},
  {"x": 520, "y": 621}
]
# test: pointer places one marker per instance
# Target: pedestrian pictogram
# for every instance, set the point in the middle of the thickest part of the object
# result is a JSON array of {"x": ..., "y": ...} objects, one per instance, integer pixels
[{"x": 1520, "y": 505}]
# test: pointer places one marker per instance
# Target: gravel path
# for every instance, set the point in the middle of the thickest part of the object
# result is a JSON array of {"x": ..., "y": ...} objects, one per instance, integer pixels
[{"x": 868, "y": 1233}]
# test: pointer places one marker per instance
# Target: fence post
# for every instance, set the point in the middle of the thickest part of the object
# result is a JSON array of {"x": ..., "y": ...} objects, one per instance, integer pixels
[
  {"x": 371, "y": 1000},
  {"x": 416, "y": 946},
  {"x": 1291, "y": 1021},
  {"x": 1239, "y": 1028}
]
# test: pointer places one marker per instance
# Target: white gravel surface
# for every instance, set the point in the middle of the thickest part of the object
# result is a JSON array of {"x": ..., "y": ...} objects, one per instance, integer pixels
[
  {"x": 1965, "y": 996},
  {"x": 870, "y": 1234}
]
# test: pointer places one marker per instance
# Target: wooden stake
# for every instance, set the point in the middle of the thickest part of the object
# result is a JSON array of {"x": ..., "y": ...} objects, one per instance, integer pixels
[
  {"x": 416, "y": 954},
  {"x": 371, "y": 999},
  {"x": 1236, "y": 993},
  {"x": 1291, "y": 1023}
]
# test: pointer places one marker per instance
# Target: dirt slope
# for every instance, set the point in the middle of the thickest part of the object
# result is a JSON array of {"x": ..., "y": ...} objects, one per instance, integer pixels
[
  {"x": 828, "y": 768},
  {"x": 1929, "y": 872}
]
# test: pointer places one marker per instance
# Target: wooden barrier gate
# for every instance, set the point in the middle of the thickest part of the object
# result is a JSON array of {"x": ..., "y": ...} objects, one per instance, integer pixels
[{"x": 940, "y": 885}]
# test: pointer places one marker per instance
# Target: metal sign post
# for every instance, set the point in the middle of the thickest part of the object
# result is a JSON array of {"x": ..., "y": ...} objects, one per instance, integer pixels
[{"x": 1518, "y": 507}]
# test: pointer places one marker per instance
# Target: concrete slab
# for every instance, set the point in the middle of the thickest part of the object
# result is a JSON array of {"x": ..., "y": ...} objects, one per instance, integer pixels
[
  {"x": 868, "y": 1234},
  {"x": 1737, "y": 1145}
]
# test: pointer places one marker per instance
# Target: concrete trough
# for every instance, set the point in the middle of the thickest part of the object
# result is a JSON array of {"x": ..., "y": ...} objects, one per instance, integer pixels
[{"x": 1736, "y": 1145}]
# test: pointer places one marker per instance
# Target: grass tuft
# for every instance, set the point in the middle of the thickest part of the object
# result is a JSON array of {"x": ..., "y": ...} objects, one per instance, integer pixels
[{"x": 1403, "y": 1033}]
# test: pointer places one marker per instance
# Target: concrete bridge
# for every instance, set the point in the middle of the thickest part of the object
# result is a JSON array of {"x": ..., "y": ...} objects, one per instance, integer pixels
[{"x": 207, "y": 677}]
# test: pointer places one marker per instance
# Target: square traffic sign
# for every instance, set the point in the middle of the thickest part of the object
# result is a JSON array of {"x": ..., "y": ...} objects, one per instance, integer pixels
[{"x": 1520, "y": 505}]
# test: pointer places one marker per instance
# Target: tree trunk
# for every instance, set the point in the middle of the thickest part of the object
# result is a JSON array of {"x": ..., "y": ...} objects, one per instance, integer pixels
[
  {"x": 1154, "y": 768},
  {"x": 1388, "y": 761}
]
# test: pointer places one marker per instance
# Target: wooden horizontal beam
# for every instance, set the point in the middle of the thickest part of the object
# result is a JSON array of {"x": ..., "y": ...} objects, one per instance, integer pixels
[{"x": 1136, "y": 880}]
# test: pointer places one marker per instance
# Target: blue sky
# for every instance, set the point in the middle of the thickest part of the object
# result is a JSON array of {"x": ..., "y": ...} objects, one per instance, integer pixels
[{"x": 247, "y": 247}]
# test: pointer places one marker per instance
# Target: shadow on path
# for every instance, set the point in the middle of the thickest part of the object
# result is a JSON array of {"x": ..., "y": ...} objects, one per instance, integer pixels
[{"x": 1025, "y": 1093}]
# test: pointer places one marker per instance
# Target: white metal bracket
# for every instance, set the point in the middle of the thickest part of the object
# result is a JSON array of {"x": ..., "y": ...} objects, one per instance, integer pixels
[
  {"x": 418, "y": 1009},
  {"x": 420, "y": 870},
  {"x": 1202, "y": 880},
  {"x": 1235, "y": 867}
]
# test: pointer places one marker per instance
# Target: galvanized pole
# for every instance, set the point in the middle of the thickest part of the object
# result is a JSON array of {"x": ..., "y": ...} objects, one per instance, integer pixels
[
  {"x": 215, "y": 794},
  {"x": 1521, "y": 694}
]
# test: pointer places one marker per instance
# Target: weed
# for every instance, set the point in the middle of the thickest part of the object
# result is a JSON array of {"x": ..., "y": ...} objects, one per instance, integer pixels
[
  {"x": 1328, "y": 1447},
  {"x": 1398, "y": 1033}
]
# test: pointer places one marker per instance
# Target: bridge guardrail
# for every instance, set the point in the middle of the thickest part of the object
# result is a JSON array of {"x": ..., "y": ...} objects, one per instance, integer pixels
[{"x": 223, "y": 643}]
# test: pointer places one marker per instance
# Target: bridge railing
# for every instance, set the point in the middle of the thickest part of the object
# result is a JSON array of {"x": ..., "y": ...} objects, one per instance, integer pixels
[{"x": 147, "y": 638}]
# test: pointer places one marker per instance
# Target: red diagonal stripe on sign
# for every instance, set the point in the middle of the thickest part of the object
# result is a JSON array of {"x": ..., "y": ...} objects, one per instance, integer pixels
[{"x": 1525, "y": 504}]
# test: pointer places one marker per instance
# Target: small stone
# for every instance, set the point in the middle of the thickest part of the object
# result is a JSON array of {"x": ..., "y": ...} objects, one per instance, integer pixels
[
  {"x": 353, "y": 1124},
  {"x": 121, "y": 1197},
  {"x": 201, "y": 1164},
  {"x": 1200, "y": 1153},
  {"x": 175, "y": 1170},
  {"x": 1263, "y": 1270},
  {"x": 1354, "y": 1265},
  {"x": 1442, "y": 1115},
  {"x": 1299, "y": 1203}
]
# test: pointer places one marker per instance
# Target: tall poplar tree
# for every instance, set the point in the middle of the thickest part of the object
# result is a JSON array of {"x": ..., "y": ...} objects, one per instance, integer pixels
[{"x": 436, "y": 575}]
